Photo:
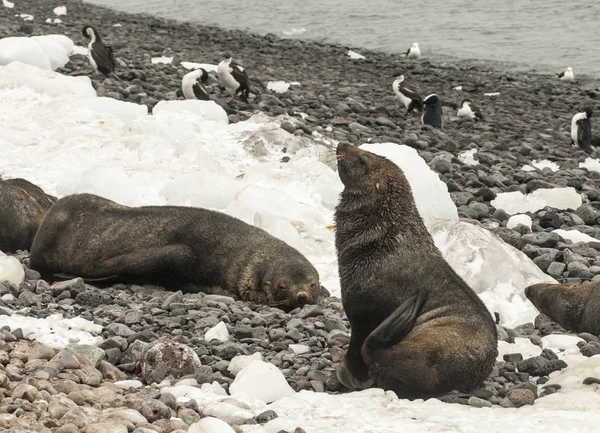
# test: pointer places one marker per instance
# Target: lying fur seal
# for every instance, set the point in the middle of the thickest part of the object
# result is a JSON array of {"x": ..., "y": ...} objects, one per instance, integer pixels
[
  {"x": 417, "y": 328},
  {"x": 22, "y": 208},
  {"x": 95, "y": 238},
  {"x": 575, "y": 307}
]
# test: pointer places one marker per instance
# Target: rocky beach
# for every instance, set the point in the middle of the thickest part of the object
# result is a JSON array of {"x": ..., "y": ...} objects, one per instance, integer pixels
[{"x": 121, "y": 385}]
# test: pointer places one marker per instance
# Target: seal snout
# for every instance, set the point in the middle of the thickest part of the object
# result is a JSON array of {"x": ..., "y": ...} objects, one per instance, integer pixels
[{"x": 302, "y": 298}]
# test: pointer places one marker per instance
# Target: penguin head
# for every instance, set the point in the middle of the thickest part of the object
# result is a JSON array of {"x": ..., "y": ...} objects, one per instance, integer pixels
[
  {"x": 227, "y": 58},
  {"x": 588, "y": 112},
  {"x": 399, "y": 78},
  {"x": 465, "y": 101},
  {"x": 415, "y": 45},
  {"x": 88, "y": 31},
  {"x": 431, "y": 100},
  {"x": 570, "y": 69}
]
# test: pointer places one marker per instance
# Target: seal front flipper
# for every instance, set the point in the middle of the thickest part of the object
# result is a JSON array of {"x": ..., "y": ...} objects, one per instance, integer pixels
[{"x": 398, "y": 324}]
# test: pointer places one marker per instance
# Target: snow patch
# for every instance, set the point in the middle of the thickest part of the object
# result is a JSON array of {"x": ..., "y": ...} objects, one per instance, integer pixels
[
  {"x": 355, "y": 56},
  {"x": 60, "y": 10},
  {"x": 592, "y": 164},
  {"x": 278, "y": 86},
  {"x": 515, "y": 220},
  {"x": 517, "y": 202},
  {"x": 575, "y": 235},
  {"x": 468, "y": 157},
  {"x": 162, "y": 59}
]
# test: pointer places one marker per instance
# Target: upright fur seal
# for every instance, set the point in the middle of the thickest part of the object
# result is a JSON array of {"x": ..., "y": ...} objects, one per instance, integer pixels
[
  {"x": 575, "y": 307},
  {"x": 417, "y": 328},
  {"x": 22, "y": 208},
  {"x": 95, "y": 238}
]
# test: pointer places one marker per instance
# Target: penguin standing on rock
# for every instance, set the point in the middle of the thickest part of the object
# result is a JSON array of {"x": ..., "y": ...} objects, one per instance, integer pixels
[
  {"x": 581, "y": 130},
  {"x": 234, "y": 78},
  {"x": 470, "y": 110},
  {"x": 409, "y": 97},
  {"x": 101, "y": 56},
  {"x": 192, "y": 85},
  {"x": 413, "y": 52},
  {"x": 432, "y": 111}
]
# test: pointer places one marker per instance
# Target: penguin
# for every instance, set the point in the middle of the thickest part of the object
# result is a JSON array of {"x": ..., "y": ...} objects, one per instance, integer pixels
[
  {"x": 470, "y": 110},
  {"x": 413, "y": 52},
  {"x": 567, "y": 75},
  {"x": 192, "y": 85},
  {"x": 432, "y": 111},
  {"x": 581, "y": 130},
  {"x": 409, "y": 97},
  {"x": 101, "y": 56},
  {"x": 234, "y": 78}
]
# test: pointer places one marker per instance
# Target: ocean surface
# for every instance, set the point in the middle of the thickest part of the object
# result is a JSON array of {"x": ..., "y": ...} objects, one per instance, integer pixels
[{"x": 543, "y": 36}]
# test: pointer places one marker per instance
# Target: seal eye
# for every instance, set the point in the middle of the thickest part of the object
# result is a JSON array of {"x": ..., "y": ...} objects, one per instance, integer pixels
[{"x": 313, "y": 287}]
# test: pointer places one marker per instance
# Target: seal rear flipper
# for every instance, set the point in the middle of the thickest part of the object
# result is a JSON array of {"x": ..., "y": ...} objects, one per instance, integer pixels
[{"x": 398, "y": 324}]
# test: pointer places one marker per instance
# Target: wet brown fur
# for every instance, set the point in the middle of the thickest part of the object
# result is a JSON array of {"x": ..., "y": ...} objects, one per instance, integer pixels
[
  {"x": 22, "y": 208},
  {"x": 385, "y": 254},
  {"x": 576, "y": 307},
  {"x": 92, "y": 237}
]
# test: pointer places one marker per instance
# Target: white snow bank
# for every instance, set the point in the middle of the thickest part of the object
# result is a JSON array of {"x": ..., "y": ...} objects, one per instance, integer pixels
[
  {"x": 162, "y": 59},
  {"x": 515, "y": 220},
  {"x": 431, "y": 194},
  {"x": 11, "y": 269},
  {"x": 516, "y": 202},
  {"x": 592, "y": 164},
  {"x": 19, "y": 74},
  {"x": 46, "y": 52},
  {"x": 262, "y": 381},
  {"x": 496, "y": 271},
  {"x": 575, "y": 235},
  {"x": 355, "y": 56},
  {"x": 55, "y": 330},
  {"x": 278, "y": 86}
]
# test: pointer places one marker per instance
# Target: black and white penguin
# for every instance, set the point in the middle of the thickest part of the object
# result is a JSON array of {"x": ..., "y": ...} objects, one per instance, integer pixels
[
  {"x": 432, "y": 111},
  {"x": 567, "y": 75},
  {"x": 192, "y": 85},
  {"x": 470, "y": 110},
  {"x": 234, "y": 78},
  {"x": 581, "y": 130},
  {"x": 413, "y": 52},
  {"x": 101, "y": 56},
  {"x": 409, "y": 97}
]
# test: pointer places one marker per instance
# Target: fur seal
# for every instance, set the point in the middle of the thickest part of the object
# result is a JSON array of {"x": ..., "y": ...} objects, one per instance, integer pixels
[
  {"x": 23, "y": 206},
  {"x": 416, "y": 327},
  {"x": 176, "y": 247},
  {"x": 575, "y": 307}
]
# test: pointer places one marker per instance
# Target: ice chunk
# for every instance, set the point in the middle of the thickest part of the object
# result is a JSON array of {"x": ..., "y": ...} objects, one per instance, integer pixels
[
  {"x": 198, "y": 111},
  {"x": 591, "y": 164},
  {"x": 541, "y": 165},
  {"x": 515, "y": 220},
  {"x": 210, "y": 425},
  {"x": 162, "y": 59},
  {"x": 241, "y": 361},
  {"x": 559, "y": 343},
  {"x": 217, "y": 332},
  {"x": 261, "y": 380},
  {"x": 468, "y": 157},
  {"x": 18, "y": 74},
  {"x": 46, "y": 52},
  {"x": 26, "y": 17},
  {"x": 60, "y": 10},
  {"x": 8, "y": 4},
  {"x": 516, "y": 202},
  {"x": 495, "y": 270},
  {"x": 278, "y": 227},
  {"x": 11, "y": 269},
  {"x": 201, "y": 189},
  {"x": 355, "y": 56},
  {"x": 278, "y": 86},
  {"x": 206, "y": 66},
  {"x": 108, "y": 182},
  {"x": 430, "y": 193}
]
